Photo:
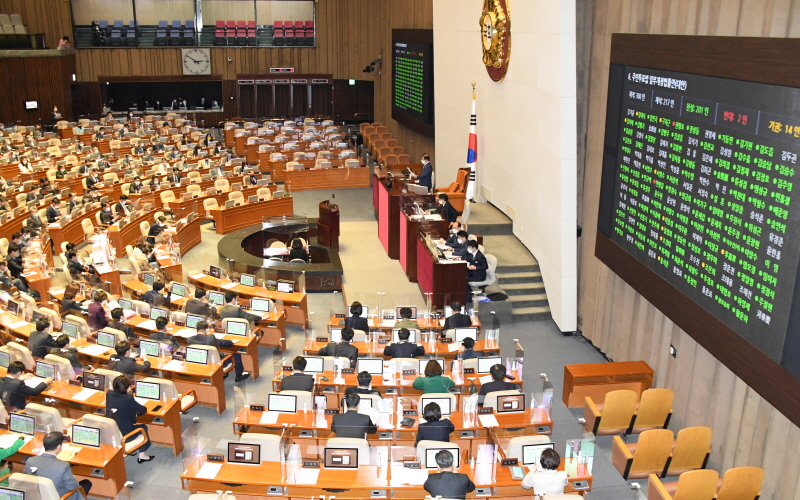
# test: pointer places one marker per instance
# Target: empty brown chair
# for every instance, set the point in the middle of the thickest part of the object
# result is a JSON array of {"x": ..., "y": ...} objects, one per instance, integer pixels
[
  {"x": 390, "y": 143},
  {"x": 376, "y": 146},
  {"x": 692, "y": 485},
  {"x": 383, "y": 153},
  {"x": 691, "y": 450},
  {"x": 654, "y": 410},
  {"x": 647, "y": 456},
  {"x": 397, "y": 150},
  {"x": 391, "y": 160},
  {"x": 363, "y": 127},
  {"x": 741, "y": 483},
  {"x": 386, "y": 136},
  {"x": 614, "y": 416},
  {"x": 380, "y": 129},
  {"x": 403, "y": 159}
]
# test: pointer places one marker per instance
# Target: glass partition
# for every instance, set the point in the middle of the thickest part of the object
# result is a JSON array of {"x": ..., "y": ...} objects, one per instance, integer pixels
[
  {"x": 165, "y": 23},
  {"x": 102, "y": 23}
]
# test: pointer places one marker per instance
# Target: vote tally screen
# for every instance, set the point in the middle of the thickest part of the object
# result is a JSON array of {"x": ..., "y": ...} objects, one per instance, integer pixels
[{"x": 698, "y": 184}]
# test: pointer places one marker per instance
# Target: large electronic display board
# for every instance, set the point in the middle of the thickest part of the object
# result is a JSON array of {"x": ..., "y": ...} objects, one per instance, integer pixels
[{"x": 412, "y": 79}]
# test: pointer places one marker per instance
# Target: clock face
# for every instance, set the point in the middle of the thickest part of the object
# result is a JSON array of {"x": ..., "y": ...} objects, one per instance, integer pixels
[
  {"x": 196, "y": 61},
  {"x": 495, "y": 25}
]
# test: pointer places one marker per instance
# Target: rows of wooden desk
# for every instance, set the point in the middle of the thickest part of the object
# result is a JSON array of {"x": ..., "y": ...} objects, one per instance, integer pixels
[
  {"x": 447, "y": 350},
  {"x": 389, "y": 325},
  {"x": 246, "y": 214},
  {"x": 326, "y": 178}
]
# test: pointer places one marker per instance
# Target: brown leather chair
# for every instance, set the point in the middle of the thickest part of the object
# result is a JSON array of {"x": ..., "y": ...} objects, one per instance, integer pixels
[
  {"x": 692, "y": 485},
  {"x": 397, "y": 150},
  {"x": 391, "y": 159},
  {"x": 390, "y": 143},
  {"x": 456, "y": 191},
  {"x": 383, "y": 153},
  {"x": 403, "y": 159},
  {"x": 376, "y": 146}
]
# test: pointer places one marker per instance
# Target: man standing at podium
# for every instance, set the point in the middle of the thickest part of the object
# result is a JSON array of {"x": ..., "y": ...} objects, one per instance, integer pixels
[{"x": 426, "y": 176}]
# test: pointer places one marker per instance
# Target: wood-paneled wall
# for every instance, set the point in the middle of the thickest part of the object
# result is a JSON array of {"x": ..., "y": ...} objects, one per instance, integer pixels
[
  {"x": 43, "y": 79},
  {"x": 747, "y": 430}
]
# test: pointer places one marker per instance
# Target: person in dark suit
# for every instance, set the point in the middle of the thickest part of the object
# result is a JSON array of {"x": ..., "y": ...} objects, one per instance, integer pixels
[
  {"x": 455, "y": 227},
  {"x": 365, "y": 384},
  {"x": 205, "y": 338},
  {"x": 100, "y": 134},
  {"x": 13, "y": 388},
  {"x": 231, "y": 308},
  {"x": 161, "y": 334},
  {"x": 93, "y": 179},
  {"x": 434, "y": 428},
  {"x": 297, "y": 251},
  {"x": 355, "y": 321},
  {"x": 124, "y": 363},
  {"x": 425, "y": 177},
  {"x": 123, "y": 409},
  {"x": 97, "y": 312},
  {"x": 72, "y": 203},
  {"x": 342, "y": 349},
  {"x": 447, "y": 483},
  {"x": 469, "y": 352},
  {"x": 118, "y": 324},
  {"x": 34, "y": 222},
  {"x": 448, "y": 212},
  {"x": 157, "y": 228},
  {"x": 123, "y": 207},
  {"x": 40, "y": 339},
  {"x": 155, "y": 296},
  {"x": 175, "y": 177},
  {"x": 498, "y": 383},
  {"x": 33, "y": 194},
  {"x": 352, "y": 424},
  {"x": 476, "y": 269},
  {"x": 404, "y": 348},
  {"x": 52, "y": 212},
  {"x": 199, "y": 304},
  {"x": 457, "y": 320},
  {"x": 49, "y": 466},
  {"x": 76, "y": 269},
  {"x": 298, "y": 381},
  {"x": 106, "y": 217},
  {"x": 15, "y": 268},
  {"x": 136, "y": 185}
]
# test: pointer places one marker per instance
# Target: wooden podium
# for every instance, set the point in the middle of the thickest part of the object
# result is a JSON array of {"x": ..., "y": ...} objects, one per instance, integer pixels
[{"x": 328, "y": 225}]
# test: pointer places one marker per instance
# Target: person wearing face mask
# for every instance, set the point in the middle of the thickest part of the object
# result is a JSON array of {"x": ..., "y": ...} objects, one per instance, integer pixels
[
  {"x": 98, "y": 319},
  {"x": 25, "y": 166},
  {"x": 448, "y": 212},
  {"x": 136, "y": 185},
  {"x": 138, "y": 149},
  {"x": 455, "y": 227},
  {"x": 459, "y": 247},
  {"x": 425, "y": 177},
  {"x": 123, "y": 208},
  {"x": 72, "y": 202},
  {"x": 477, "y": 265},
  {"x": 93, "y": 180},
  {"x": 157, "y": 228},
  {"x": 106, "y": 217}
]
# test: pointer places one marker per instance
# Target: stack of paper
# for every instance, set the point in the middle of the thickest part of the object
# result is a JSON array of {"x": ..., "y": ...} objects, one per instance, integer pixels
[
  {"x": 84, "y": 394},
  {"x": 488, "y": 421},
  {"x": 269, "y": 418},
  {"x": 148, "y": 324},
  {"x": 94, "y": 350},
  {"x": 173, "y": 365},
  {"x": 209, "y": 470},
  {"x": 7, "y": 440}
]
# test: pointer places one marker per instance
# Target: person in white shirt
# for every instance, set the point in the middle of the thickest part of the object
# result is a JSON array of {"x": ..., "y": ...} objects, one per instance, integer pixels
[
  {"x": 546, "y": 480},
  {"x": 24, "y": 166}
]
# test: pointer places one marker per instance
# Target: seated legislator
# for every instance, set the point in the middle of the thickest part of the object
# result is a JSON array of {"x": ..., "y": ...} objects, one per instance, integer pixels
[
  {"x": 457, "y": 320},
  {"x": 156, "y": 229},
  {"x": 404, "y": 348},
  {"x": 446, "y": 483},
  {"x": 447, "y": 211},
  {"x": 477, "y": 265},
  {"x": 546, "y": 480},
  {"x": 343, "y": 349},
  {"x": 155, "y": 296},
  {"x": 52, "y": 212},
  {"x": 498, "y": 383},
  {"x": 459, "y": 247},
  {"x": 355, "y": 321},
  {"x": 298, "y": 381},
  {"x": 405, "y": 320},
  {"x": 124, "y": 363},
  {"x": 13, "y": 388},
  {"x": 40, "y": 339},
  {"x": 205, "y": 338},
  {"x": 199, "y": 304},
  {"x": 231, "y": 308},
  {"x": 433, "y": 381},
  {"x": 48, "y": 465},
  {"x": 118, "y": 323},
  {"x": 161, "y": 334},
  {"x": 469, "y": 351},
  {"x": 97, "y": 311},
  {"x": 123, "y": 409},
  {"x": 352, "y": 424},
  {"x": 434, "y": 428},
  {"x": 297, "y": 251},
  {"x": 453, "y": 230},
  {"x": 365, "y": 384},
  {"x": 106, "y": 217}
]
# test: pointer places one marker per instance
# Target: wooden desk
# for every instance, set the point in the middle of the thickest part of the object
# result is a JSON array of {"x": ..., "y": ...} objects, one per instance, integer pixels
[
  {"x": 440, "y": 349},
  {"x": 595, "y": 380},
  {"x": 104, "y": 466},
  {"x": 295, "y": 304},
  {"x": 326, "y": 178},
  {"x": 230, "y": 219},
  {"x": 389, "y": 325},
  {"x": 445, "y": 280},
  {"x": 72, "y": 231},
  {"x": 410, "y": 227},
  {"x": 182, "y": 208}
]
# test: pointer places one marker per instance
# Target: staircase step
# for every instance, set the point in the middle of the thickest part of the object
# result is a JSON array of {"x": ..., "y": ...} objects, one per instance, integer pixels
[
  {"x": 528, "y": 268},
  {"x": 540, "y": 313},
  {"x": 491, "y": 229},
  {"x": 526, "y": 277},
  {"x": 523, "y": 288},
  {"x": 531, "y": 300}
]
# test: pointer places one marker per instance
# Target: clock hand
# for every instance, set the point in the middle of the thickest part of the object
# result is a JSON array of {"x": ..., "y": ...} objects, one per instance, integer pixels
[{"x": 194, "y": 61}]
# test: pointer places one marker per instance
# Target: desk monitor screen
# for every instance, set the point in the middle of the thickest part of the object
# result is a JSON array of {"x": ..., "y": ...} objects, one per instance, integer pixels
[
  {"x": 157, "y": 312},
  {"x": 148, "y": 390},
  {"x": 83, "y": 435},
  {"x": 247, "y": 280},
  {"x": 336, "y": 334},
  {"x": 70, "y": 329},
  {"x": 260, "y": 305},
  {"x": 178, "y": 289},
  {"x": 214, "y": 271},
  {"x": 462, "y": 333},
  {"x": 411, "y": 338},
  {"x": 13, "y": 308},
  {"x": 283, "y": 403},
  {"x": 192, "y": 320},
  {"x": 216, "y": 298},
  {"x": 485, "y": 364},
  {"x": 341, "y": 458},
  {"x": 532, "y": 452},
  {"x": 424, "y": 362},
  {"x": 369, "y": 365},
  {"x": 413, "y": 311},
  {"x": 236, "y": 328},
  {"x": 126, "y": 305},
  {"x": 12, "y": 494},
  {"x": 285, "y": 286},
  {"x": 511, "y": 403},
  {"x": 241, "y": 453},
  {"x": 314, "y": 364},
  {"x": 45, "y": 370},
  {"x": 22, "y": 424},
  {"x": 149, "y": 279},
  {"x": 94, "y": 381},
  {"x": 106, "y": 339},
  {"x": 364, "y": 311},
  {"x": 5, "y": 359},
  {"x": 148, "y": 348},
  {"x": 444, "y": 404},
  {"x": 36, "y": 316},
  {"x": 198, "y": 356},
  {"x": 430, "y": 457}
]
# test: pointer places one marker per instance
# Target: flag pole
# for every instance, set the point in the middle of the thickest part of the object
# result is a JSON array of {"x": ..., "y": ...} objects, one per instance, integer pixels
[{"x": 472, "y": 149}]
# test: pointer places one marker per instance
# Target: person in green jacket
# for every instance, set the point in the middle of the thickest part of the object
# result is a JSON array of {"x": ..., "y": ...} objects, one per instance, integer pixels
[
  {"x": 5, "y": 453},
  {"x": 433, "y": 381}
]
